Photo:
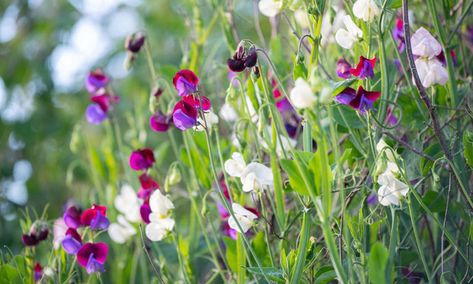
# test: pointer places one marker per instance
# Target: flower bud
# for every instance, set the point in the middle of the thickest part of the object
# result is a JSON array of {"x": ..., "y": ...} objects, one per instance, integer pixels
[{"x": 135, "y": 42}]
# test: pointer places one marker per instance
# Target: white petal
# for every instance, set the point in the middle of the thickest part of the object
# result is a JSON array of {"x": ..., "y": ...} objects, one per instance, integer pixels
[
  {"x": 263, "y": 174},
  {"x": 236, "y": 165},
  {"x": 301, "y": 95},
  {"x": 344, "y": 39},
  {"x": 239, "y": 210},
  {"x": 117, "y": 234},
  {"x": 249, "y": 182},
  {"x": 354, "y": 31},
  {"x": 424, "y": 44},
  {"x": 270, "y": 8},
  {"x": 155, "y": 232},
  {"x": 228, "y": 113},
  {"x": 159, "y": 203},
  {"x": 386, "y": 198}
]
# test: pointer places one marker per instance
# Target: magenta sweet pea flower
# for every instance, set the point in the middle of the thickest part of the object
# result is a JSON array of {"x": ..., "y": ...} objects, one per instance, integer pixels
[
  {"x": 364, "y": 68},
  {"x": 185, "y": 82},
  {"x": 38, "y": 272},
  {"x": 92, "y": 256},
  {"x": 343, "y": 68},
  {"x": 398, "y": 34},
  {"x": 72, "y": 217},
  {"x": 159, "y": 122},
  {"x": 101, "y": 105},
  {"x": 95, "y": 217},
  {"x": 142, "y": 159},
  {"x": 360, "y": 100},
  {"x": 145, "y": 211},
  {"x": 186, "y": 111},
  {"x": 96, "y": 80},
  {"x": 148, "y": 186},
  {"x": 72, "y": 241}
]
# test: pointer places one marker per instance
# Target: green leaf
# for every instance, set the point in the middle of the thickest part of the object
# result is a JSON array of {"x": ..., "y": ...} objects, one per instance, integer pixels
[
  {"x": 231, "y": 253},
  {"x": 261, "y": 249},
  {"x": 272, "y": 273},
  {"x": 295, "y": 176},
  {"x": 325, "y": 274},
  {"x": 300, "y": 71},
  {"x": 377, "y": 263},
  {"x": 468, "y": 147},
  {"x": 341, "y": 85},
  {"x": 346, "y": 117}
]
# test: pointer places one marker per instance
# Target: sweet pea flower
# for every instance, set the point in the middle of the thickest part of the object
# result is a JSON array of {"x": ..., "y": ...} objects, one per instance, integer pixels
[
  {"x": 365, "y": 10},
  {"x": 38, "y": 232},
  {"x": 95, "y": 217},
  {"x": 398, "y": 34},
  {"x": 243, "y": 216},
  {"x": 100, "y": 107},
  {"x": 256, "y": 176},
  {"x": 185, "y": 82},
  {"x": 72, "y": 241},
  {"x": 391, "y": 190},
  {"x": 135, "y": 42},
  {"x": 329, "y": 27},
  {"x": 121, "y": 231},
  {"x": 96, "y": 80},
  {"x": 148, "y": 186},
  {"x": 92, "y": 256},
  {"x": 364, "y": 69},
  {"x": 346, "y": 37},
  {"x": 302, "y": 95},
  {"x": 228, "y": 113},
  {"x": 159, "y": 122},
  {"x": 431, "y": 72},
  {"x": 59, "y": 232},
  {"x": 38, "y": 272},
  {"x": 360, "y": 100},
  {"x": 236, "y": 165},
  {"x": 94, "y": 114},
  {"x": 270, "y": 8},
  {"x": 343, "y": 68},
  {"x": 424, "y": 44},
  {"x": 186, "y": 111},
  {"x": 242, "y": 59},
  {"x": 142, "y": 159},
  {"x": 72, "y": 217},
  {"x": 145, "y": 210},
  {"x": 160, "y": 204},
  {"x": 160, "y": 223},
  {"x": 128, "y": 203}
]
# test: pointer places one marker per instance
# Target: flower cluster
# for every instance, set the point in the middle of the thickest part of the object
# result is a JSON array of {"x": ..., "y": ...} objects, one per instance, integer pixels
[
  {"x": 102, "y": 100},
  {"x": 89, "y": 255}
]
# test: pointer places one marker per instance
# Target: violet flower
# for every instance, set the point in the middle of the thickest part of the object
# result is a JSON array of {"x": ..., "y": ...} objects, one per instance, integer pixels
[
  {"x": 72, "y": 242},
  {"x": 185, "y": 82},
  {"x": 142, "y": 159},
  {"x": 360, "y": 100},
  {"x": 186, "y": 111},
  {"x": 148, "y": 185},
  {"x": 38, "y": 272},
  {"x": 94, "y": 114},
  {"x": 92, "y": 256},
  {"x": 95, "y": 217},
  {"x": 145, "y": 211},
  {"x": 96, "y": 80},
  {"x": 72, "y": 217},
  {"x": 343, "y": 68},
  {"x": 364, "y": 68}
]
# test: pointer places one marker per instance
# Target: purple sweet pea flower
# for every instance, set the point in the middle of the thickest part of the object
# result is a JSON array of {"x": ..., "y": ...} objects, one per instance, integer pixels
[
  {"x": 92, "y": 256},
  {"x": 343, "y": 68},
  {"x": 94, "y": 114},
  {"x": 391, "y": 119},
  {"x": 360, "y": 100},
  {"x": 95, "y": 81},
  {"x": 72, "y": 217},
  {"x": 72, "y": 242},
  {"x": 372, "y": 199},
  {"x": 364, "y": 68},
  {"x": 159, "y": 122},
  {"x": 145, "y": 211},
  {"x": 99, "y": 222},
  {"x": 38, "y": 272},
  {"x": 185, "y": 82}
]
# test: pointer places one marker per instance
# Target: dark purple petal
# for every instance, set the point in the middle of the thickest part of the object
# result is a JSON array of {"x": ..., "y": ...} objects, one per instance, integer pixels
[
  {"x": 100, "y": 222},
  {"x": 346, "y": 96},
  {"x": 236, "y": 65},
  {"x": 135, "y": 42},
  {"x": 95, "y": 114},
  {"x": 251, "y": 58},
  {"x": 72, "y": 217},
  {"x": 145, "y": 210},
  {"x": 29, "y": 240}
]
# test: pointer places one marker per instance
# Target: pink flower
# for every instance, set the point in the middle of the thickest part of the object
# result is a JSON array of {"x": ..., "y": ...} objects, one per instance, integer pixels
[
  {"x": 185, "y": 82},
  {"x": 148, "y": 185},
  {"x": 142, "y": 159},
  {"x": 364, "y": 68},
  {"x": 92, "y": 256},
  {"x": 159, "y": 122}
]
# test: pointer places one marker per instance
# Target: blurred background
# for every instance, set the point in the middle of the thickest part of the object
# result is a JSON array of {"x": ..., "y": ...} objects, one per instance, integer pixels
[{"x": 47, "y": 47}]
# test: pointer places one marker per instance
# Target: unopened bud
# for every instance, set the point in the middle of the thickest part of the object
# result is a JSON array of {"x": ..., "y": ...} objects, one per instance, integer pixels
[{"x": 135, "y": 42}]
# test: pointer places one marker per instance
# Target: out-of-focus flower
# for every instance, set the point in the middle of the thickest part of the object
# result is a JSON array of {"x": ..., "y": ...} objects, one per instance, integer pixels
[
  {"x": 121, "y": 231},
  {"x": 72, "y": 217},
  {"x": 243, "y": 216},
  {"x": 160, "y": 223},
  {"x": 391, "y": 119},
  {"x": 236, "y": 165},
  {"x": 349, "y": 35},
  {"x": 159, "y": 122},
  {"x": 372, "y": 199},
  {"x": 142, "y": 159},
  {"x": 242, "y": 59},
  {"x": 365, "y": 10},
  {"x": 270, "y": 8},
  {"x": 360, "y": 100},
  {"x": 398, "y": 34},
  {"x": 329, "y": 27},
  {"x": 38, "y": 232},
  {"x": 38, "y": 272},
  {"x": 185, "y": 82},
  {"x": 291, "y": 119},
  {"x": 59, "y": 232},
  {"x": 128, "y": 203},
  {"x": 100, "y": 107},
  {"x": 424, "y": 44},
  {"x": 364, "y": 68},
  {"x": 343, "y": 68},
  {"x": 256, "y": 176},
  {"x": 148, "y": 186},
  {"x": 145, "y": 210},
  {"x": 453, "y": 55},
  {"x": 95, "y": 217},
  {"x": 228, "y": 113},
  {"x": 94, "y": 114},
  {"x": 72, "y": 242},
  {"x": 302, "y": 18},
  {"x": 431, "y": 71},
  {"x": 301, "y": 95},
  {"x": 135, "y": 42},
  {"x": 211, "y": 119},
  {"x": 92, "y": 256},
  {"x": 96, "y": 80}
]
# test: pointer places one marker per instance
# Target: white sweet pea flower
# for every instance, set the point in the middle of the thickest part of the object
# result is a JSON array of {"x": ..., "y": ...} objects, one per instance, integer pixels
[
  {"x": 158, "y": 227},
  {"x": 365, "y": 10},
  {"x": 391, "y": 190},
  {"x": 382, "y": 147},
  {"x": 228, "y": 113},
  {"x": 347, "y": 37},
  {"x": 210, "y": 118},
  {"x": 160, "y": 204},
  {"x": 244, "y": 217},
  {"x": 121, "y": 231},
  {"x": 424, "y": 44},
  {"x": 329, "y": 27},
  {"x": 256, "y": 176},
  {"x": 128, "y": 203},
  {"x": 270, "y": 8},
  {"x": 431, "y": 72},
  {"x": 236, "y": 165},
  {"x": 301, "y": 95},
  {"x": 59, "y": 232}
]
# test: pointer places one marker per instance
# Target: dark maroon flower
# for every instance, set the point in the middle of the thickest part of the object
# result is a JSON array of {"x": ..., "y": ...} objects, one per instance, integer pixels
[
  {"x": 364, "y": 68},
  {"x": 95, "y": 217},
  {"x": 251, "y": 58},
  {"x": 95, "y": 81},
  {"x": 92, "y": 256},
  {"x": 343, "y": 68},
  {"x": 38, "y": 272},
  {"x": 360, "y": 100},
  {"x": 185, "y": 82},
  {"x": 145, "y": 210},
  {"x": 72, "y": 217},
  {"x": 453, "y": 54},
  {"x": 142, "y": 159},
  {"x": 242, "y": 59},
  {"x": 38, "y": 232},
  {"x": 135, "y": 42},
  {"x": 159, "y": 122},
  {"x": 398, "y": 34},
  {"x": 72, "y": 241}
]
